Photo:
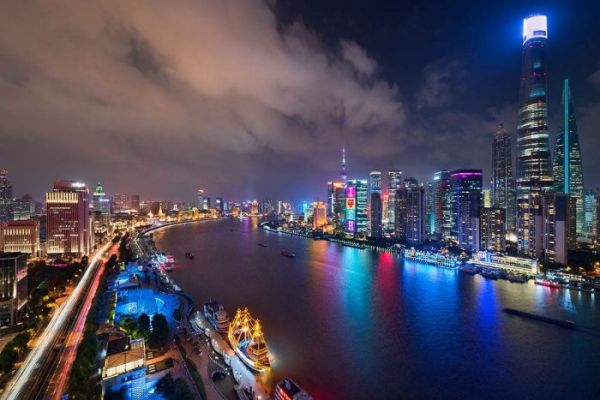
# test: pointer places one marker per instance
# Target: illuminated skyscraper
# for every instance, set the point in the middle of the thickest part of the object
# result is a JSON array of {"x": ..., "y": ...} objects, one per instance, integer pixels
[
  {"x": 590, "y": 206},
  {"x": 567, "y": 157},
  {"x": 534, "y": 171},
  {"x": 6, "y": 197},
  {"x": 376, "y": 214},
  {"x": 200, "y": 199},
  {"x": 503, "y": 183},
  {"x": 68, "y": 222},
  {"x": 442, "y": 203},
  {"x": 394, "y": 181},
  {"x": 410, "y": 212},
  {"x": 466, "y": 207},
  {"x": 356, "y": 206},
  {"x": 336, "y": 204},
  {"x": 374, "y": 194}
]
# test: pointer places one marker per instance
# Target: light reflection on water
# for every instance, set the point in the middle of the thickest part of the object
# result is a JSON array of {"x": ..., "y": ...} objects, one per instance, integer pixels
[{"x": 349, "y": 323}]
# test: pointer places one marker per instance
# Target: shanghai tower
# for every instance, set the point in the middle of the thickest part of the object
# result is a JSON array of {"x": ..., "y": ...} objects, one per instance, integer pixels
[
  {"x": 534, "y": 169},
  {"x": 567, "y": 157}
]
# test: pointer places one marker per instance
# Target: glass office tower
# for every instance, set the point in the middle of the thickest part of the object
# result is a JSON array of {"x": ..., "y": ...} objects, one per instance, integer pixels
[{"x": 534, "y": 170}]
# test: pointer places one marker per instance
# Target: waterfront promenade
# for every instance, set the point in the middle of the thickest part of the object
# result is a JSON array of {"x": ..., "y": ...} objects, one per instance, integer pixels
[{"x": 208, "y": 347}]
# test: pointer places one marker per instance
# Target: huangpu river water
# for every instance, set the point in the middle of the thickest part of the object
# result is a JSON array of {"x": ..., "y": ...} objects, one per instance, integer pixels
[{"x": 354, "y": 324}]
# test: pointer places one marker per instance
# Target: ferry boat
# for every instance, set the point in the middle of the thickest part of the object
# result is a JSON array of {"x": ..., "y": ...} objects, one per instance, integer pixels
[
  {"x": 246, "y": 337},
  {"x": 432, "y": 258},
  {"x": 217, "y": 316},
  {"x": 287, "y": 253},
  {"x": 543, "y": 281},
  {"x": 287, "y": 389}
]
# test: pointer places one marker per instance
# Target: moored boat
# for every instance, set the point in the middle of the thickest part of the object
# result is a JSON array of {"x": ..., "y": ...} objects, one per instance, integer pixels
[
  {"x": 246, "y": 337},
  {"x": 546, "y": 282},
  {"x": 469, "y": 268},
  {"x": 287, "y": 389},
  {"x": 217, "y": 316}
]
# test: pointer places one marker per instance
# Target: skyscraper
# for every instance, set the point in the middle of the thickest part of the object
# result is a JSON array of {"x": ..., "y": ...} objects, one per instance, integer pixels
[
  {"x": 493, "y": 228},
  {"x": 442, "y": 203},
  {"x": 376, "y": 214},
  {"x": 6, "y": 197},
  {"x": 567, "y": 165},
  {"x": 356, "y": 206},
  {"x": 410, "y": 212},
  {"x": 336, "y": 204},
  {"x": 534, "y": 172},
  {"x": 200, "y": 199},
  {"x": 466, "y": 207},
  {"x": 68, "y": 226},
  {"x": 590, "y": 205},
  {"x": 503, "y": 183},
  {"x": 394, "y": 181},
  {"x": 374, "y": 189}
]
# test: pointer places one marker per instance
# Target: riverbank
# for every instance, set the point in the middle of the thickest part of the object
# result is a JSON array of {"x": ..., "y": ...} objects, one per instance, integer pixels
[{"x": 208, "y": 345}]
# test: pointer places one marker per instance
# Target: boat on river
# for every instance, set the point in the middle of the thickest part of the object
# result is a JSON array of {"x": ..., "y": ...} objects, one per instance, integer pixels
[
  {"x": 217, "y": 316},
  {"x": 543, "y": 281},
  {"x": 287, "y": 253},
  {"x": 246, "y": 337}
]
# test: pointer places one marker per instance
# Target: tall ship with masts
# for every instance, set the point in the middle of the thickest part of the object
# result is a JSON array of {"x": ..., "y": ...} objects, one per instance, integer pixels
[{"x": 247, "y": 339}]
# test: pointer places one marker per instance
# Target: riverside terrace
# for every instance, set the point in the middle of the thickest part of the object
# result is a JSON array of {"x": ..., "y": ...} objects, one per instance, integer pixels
[{"x": 134, "y": 302}]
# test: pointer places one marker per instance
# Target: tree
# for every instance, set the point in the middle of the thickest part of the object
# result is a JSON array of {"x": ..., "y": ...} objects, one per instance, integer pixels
[
  {"x": 144, "y": 325},
  {"x": 160, "y": 331}
]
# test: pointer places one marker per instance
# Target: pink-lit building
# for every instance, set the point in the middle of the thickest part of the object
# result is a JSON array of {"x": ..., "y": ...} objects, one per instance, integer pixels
[{"x": 68, "y": 221}]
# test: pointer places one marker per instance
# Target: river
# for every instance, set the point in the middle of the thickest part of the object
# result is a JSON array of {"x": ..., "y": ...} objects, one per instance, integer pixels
[{"x": 355, "y": 324}]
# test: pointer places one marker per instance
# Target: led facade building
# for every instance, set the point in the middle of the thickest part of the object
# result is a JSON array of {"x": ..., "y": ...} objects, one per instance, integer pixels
[
  {"x": 6, "y": 197},
  {"x": 68, "y": 222},
  {"x": 567, "y": 157},
  {"x": 356, "y": 192},
  {"x": 534, "y": 171},
  {"x": 466, "y": 207},
  {"x": 503, "y": 183}
]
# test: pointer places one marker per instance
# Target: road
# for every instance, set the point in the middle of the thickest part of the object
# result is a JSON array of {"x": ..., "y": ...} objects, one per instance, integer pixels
[
  {"x": 37, "y": 362},
  {"x": 60, "y": 377}
]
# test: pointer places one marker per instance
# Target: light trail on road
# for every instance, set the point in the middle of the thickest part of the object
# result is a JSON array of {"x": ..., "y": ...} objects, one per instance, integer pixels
[
  {"x": 18, "y": 384},
  {"x": 60, "y": 377}
]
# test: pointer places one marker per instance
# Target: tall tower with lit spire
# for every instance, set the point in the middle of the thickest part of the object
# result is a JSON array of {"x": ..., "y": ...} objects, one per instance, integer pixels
[
  {"x": 343, "y": 173},
  {"x": 534, "y": 169}
]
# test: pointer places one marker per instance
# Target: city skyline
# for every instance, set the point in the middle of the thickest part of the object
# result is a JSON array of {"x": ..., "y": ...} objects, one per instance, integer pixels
[{"x": 415, "y": 116}]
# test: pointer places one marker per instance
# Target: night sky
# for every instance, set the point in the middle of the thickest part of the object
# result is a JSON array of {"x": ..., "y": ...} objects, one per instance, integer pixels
[{"x": 254, "y": 99}]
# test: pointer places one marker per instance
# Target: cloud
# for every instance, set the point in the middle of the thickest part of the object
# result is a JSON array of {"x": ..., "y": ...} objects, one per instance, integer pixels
[
  {"x": 442, "y": 82},
  {"x": 358, "y": 57},
  {"x": 595, "y": 78},
  {"x": 184, "y": 82}
]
